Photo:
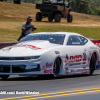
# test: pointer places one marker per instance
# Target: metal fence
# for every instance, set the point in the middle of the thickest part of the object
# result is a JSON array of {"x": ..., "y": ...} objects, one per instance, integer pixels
[{"x": 28, "y": 1}]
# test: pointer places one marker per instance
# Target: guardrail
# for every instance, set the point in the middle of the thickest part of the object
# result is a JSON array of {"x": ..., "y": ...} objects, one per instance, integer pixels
[
  {"x": 96, "y": 42},
  {"x": 5, "y": 44}
]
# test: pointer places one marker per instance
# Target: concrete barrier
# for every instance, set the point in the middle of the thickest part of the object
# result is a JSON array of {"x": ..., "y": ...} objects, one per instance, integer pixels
[{"x": 5, "y": 44}]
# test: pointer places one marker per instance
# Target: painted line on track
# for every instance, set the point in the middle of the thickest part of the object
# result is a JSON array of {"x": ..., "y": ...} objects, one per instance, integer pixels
[{"x": 56, "y": 94}]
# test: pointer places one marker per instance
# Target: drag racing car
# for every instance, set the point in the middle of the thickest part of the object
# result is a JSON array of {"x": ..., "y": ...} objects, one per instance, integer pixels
[{"x": 56, "y": 53}]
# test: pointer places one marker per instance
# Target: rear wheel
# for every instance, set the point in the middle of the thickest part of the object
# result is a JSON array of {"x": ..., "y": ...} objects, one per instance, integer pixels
[
  {"x": 4, "y": 76},
  {"x": 57, "y": 17},
  {"x": 38, "y": 16},
  {"x": 56, "y": 67},
  {"x": 92, "y": 64},
  {"x": 70, "y": 18}
]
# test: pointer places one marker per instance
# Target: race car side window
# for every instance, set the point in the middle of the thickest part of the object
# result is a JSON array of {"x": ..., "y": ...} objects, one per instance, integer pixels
[
  {"x": 76, "y": 40},
  {"x": 84, "y": 40}
]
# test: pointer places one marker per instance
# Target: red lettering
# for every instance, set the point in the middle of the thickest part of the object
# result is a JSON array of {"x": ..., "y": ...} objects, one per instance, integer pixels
[
  {"x": 26, "y": 45},
  {"x": 71, "y": 59},
  {"x": 48, "y": 65},
  {"x": 76, "y": 58}
]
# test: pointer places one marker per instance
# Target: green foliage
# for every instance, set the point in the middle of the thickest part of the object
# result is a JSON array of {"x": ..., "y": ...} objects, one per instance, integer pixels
[{"x": 84, "y": 7}]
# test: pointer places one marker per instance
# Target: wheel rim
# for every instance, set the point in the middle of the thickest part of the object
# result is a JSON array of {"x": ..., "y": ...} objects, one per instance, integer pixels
[{"x": 56, "y": 67}]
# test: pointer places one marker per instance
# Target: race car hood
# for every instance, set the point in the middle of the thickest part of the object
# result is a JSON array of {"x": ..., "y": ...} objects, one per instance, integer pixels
[{"x": 29, "y": 48}]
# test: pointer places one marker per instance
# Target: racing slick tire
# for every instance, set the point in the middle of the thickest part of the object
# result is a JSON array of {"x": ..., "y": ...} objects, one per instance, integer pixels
[
  {"x": 92, "y": 64},
  {"x": 4, "y": 77},
  {"x": 56, "y": 67},
  {"x": 70, "y": 18},
  {"x": 57, "y": 17},
  {"x": 38, "y": 16}
]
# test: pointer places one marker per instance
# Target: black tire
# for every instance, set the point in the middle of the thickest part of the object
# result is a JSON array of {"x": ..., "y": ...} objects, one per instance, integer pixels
[
  {"x": 38, "y": 16},
  {"x": 92, "y": 64},
  {"x": 57, "y": 17},
  {"x": 56, "y": 67},
  {"x": 50, "y": 19},
  {"x": 4, "y": 77},
  {"x": 70, "y": 18}
]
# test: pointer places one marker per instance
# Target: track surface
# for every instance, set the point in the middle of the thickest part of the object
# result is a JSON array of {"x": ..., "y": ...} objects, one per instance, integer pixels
[{"x": 63, "y": 88}]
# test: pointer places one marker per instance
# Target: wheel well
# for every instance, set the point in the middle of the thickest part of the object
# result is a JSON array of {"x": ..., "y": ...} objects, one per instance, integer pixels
[
  {"x": 59, "y": 60},
  {"x": 57, "y": 12},
  {"x": 95, "y": 55}
]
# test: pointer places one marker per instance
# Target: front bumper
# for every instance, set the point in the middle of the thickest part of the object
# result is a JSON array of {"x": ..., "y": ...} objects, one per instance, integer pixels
[{"x": 28, "y": 67}]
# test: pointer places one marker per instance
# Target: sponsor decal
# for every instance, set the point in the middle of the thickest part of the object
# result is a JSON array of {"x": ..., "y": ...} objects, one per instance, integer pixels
[
  {"x": 84, "y": 58},
  {"x": 6, "y": 49},
  {"x": 49, "y": 64},
  {"x": 66, "y": 60},
  {"x": 76, "y": 58},
  {"x": 46, "y": 71},
  {"x": 27, "y": 45},
  {"x": 72, "y": 64},
  {"x": 51, "y": 71},
  {"x": 98, "y": 67},
  {"x": 93, "y": 47},
  {"x": 76, "y": 71},
  {"x": 43, "y": 67},
  {"x": 75, "y": 42},
  {"x": 89, "y": 59},
  {"x": 66, "y": 70}
]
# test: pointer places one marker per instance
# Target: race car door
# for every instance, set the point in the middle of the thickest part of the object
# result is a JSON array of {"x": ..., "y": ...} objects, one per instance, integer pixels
[{"x": 77, "y": 52}]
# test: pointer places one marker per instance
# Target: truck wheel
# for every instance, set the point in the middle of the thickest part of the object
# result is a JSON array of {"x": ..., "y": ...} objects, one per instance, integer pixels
[
  {"x": 57, "y": 17},
  {"x": 38, "y": 16},
  {"x": 70, "y": 18},
  {"x": 92, "y": 64},
  {"x": 4, "y": 76},
  {"x": 50, "y": 19}
]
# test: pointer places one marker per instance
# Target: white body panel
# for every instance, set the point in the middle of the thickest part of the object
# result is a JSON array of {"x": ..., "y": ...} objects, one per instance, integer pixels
[{"x": 72, "y": 57}]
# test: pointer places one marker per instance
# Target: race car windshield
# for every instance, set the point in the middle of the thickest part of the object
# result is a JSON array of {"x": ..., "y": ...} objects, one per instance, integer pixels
[{"x": 52, "y": 38}]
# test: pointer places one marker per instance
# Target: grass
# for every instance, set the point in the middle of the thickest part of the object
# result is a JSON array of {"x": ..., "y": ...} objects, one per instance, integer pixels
[{"x": 12, "y": 17}]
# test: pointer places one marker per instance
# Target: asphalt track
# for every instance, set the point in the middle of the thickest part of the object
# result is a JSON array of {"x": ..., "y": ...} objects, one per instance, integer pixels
[{"x": 63, "y": 88}]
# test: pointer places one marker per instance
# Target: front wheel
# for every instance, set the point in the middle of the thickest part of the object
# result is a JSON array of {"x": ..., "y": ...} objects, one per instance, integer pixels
[
  {"x": 56, "y": 67},
  {"x": 4, "y": 77}
]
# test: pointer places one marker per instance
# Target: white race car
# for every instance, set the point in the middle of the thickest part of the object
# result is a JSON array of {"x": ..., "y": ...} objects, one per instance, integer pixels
[{"x": 56, "y": 53}]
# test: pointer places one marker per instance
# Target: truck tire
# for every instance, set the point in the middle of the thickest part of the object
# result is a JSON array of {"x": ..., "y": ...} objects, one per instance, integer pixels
[
  {"x": 38, "y": 16},
  {"x": 70, "y": 18},
  {"x": 57, "y": 17},
  {"x": 50, "y": 19}
]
